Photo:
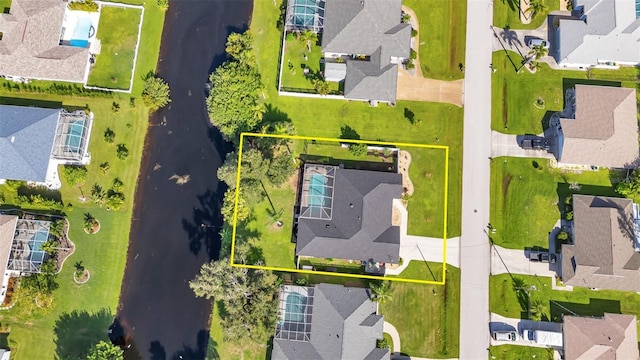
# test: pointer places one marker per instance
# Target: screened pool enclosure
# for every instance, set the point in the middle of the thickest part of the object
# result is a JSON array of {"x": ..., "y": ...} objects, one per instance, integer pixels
[
  {"x": 305, "y": 15},
  {"x": 72, "y": 135}
]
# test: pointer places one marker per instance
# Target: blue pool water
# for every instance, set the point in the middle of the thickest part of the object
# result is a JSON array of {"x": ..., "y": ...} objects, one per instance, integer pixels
[
  {"x": 637, "y": 9},
  {"x": 295, "y": 307},
  {"x": 74, "y": 136},
  {"x": 81, "y": 33},
  {"x": 316, "y": 190}
]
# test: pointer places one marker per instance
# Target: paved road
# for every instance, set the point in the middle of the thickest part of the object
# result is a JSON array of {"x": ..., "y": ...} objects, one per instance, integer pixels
[{"x": 474, "y": 245}]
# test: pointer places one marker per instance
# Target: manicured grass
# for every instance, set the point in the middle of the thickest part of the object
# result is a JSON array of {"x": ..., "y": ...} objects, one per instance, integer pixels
[
  {"x": 81, "y": 313},
  {"x": 581, "y": 301},
  {"x": 5, "y": 5},
  {"x": 509, "y": 352},
  {"x": 433, "y": 330},
  {"x": 514, "y": 94},
  {"x": 293, "y": 76},
  {"x": 442, "y": 36},
  {"x": 422, "y": 270},
  {"x": 118, "y": 34},
  {"x": 526, "y": 202},
  {"x": 218, "y": 349},
  {"x": 507, "y": 13}
]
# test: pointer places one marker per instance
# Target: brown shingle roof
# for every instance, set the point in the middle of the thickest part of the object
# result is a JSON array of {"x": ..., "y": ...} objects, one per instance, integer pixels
[
  {"x": 603, "y": 254},
  {"x": 613, "y": 336},
  {"x": 30, "y": 43},
  {"x": 605, "y": 129}
]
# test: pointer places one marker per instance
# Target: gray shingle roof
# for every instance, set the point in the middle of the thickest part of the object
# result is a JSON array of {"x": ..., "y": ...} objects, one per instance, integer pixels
[
  {"x": 605, "y": 129},
  {"x": 373, "y": 28},
  {"x": 360, "y": 227},
  {"x": 613, "y": 336},
  {"x": 30, "y": 43},
  {"x": 26, "y": 141},
  {"x": 600, "y": 30},
  {"x": 603, "y": 255},
  {"x": 344, "y": 326}
]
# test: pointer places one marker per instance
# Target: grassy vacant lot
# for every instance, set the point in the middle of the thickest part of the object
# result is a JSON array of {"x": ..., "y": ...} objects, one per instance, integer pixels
[
  {"x": 442, "y": 36},
  {"x": 118, "y": 34},
  {"x": 434, "y": 330},
  {"x": 581, "y": 301},
  {"x": 508, "y": 352},
  {"x": 507, "y": 13},
  {"x": 526, "y": 201},
  {"x": 81, "y": 313},
  {"x": 514, "y": 95},
  {"x": 293, "y": 76}
]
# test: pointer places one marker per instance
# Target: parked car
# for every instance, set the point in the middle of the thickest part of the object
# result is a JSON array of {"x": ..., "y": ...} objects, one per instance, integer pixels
[
  {"x": 535, "y": 143},
  {"x": 504, "y": 335},
  {"x": 544, "y": 257},
  {"x": 537, "y": 42}
]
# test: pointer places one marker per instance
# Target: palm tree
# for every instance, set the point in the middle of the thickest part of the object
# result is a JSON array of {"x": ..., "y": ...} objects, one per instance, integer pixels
[
  {"x": 258, "y": 111},
  {"x": 308, "y": 37},
  {"x": 537, "y": 310},
  {"x": 535, "y": 66},
  {"x": 538, "y": 52},
  {"x": 381, "y": 291},
  {"x": 536, "y": 7},
  {"x": 56, "y": 228}
]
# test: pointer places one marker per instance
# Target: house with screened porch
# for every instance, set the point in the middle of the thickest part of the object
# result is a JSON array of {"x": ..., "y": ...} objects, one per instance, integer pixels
[{"x": 34, "y": 141}]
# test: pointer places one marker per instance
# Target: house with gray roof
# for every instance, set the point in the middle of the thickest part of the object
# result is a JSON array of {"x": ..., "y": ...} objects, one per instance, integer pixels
[
  {"x": 599, "y": 128},
  {"x": 600, "y": 33},
  {"x": 30, "y": 43},
  {"x": 603, "y": 254},
  {"x": 34, "y": 141},
  {"x": 348, "y": 214},
  {"x": 613, "y": 336},
  {"x": 327, "y": 322}
]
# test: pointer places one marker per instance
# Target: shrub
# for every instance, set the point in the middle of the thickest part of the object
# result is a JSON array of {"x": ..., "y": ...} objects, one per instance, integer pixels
[
  {"x": 74, "y": 175},
  {"x": 570, "y": 215},
  {"x": 115, "y": 107},
  {"x": 132, "y": 102},
  {"x": 86, "y": 5},
  {"x": 104, "y": 167},
  {"x": 410, "y": 65},
  {"x": 115, "y": 200},
  {"x": 358, "y": 149},
  {"x": 413, "y": 54},
  {"x": 414, "y": 32},
  {"x": 156, "y": 93},
  {"x": 122, "y": 152},
  {"x": 163, "y": 4},
  {"x": 109, "y": 136},
  {"x": 15, "y": 184}
]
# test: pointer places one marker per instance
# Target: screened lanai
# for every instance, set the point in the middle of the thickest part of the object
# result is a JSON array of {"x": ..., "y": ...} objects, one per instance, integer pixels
[
  {"x": 305, "y": 15},
  {"x": 26, "y": 254},
  {"x": 295, "y": 312},
  {"x": 72, "y": 136}
]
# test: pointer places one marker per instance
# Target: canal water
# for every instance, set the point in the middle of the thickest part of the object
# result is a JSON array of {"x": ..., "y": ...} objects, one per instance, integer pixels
[{"x": 175, "y": 226}]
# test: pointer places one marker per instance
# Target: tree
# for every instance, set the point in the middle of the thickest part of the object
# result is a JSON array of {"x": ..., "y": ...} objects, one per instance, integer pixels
[
  {"x": 630, "y": 187},
  {"x": 538, "y": 51},
  {"x": 163, "y": 4},
  {"x": 156, "y": 93},
  {"x": 43, "y": 282},
  {"x": 49, "y": 247},
  {"x": 56, "y": 228},
  {"x": 122, "y": 152},
  {"x": 105, "y": 351},
  {"x": 248, "y": 297},
  {"x": 381, "y": 291},
  {"x": 536, "y": 7},
  {"x": 254, "y": 165},
  {"x": 228, "y": 172},
  {"x": 321, "y": 86},
  {"x": 235, "y": 89},
  {"x": 281, "y": 169},
  {"x": 537, "y": 310},
  {"x": 259, "y": 110},
  {"x": 228, "y": 205},
  {"x": 104, "y": 167},
  {"x": 109, "y": 136},
  {"x": 114, "y": 200},
  {"x": 308, "y": 37},
  {"x": 74, "y": 175},
  {"x": 358, "y": 149},
  {"x": 98, "y": 195},
  {"x": 240, "y": 48}
]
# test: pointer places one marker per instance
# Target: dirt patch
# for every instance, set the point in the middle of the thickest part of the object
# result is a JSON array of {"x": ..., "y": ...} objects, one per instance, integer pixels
[
  {"x": 506, "y": 181},
  {"x": 396, "y": 216},
  {"x": 404, "y": 161},
  {"x": 294, "y": 180},
  {"x": 505, "y": 120}
]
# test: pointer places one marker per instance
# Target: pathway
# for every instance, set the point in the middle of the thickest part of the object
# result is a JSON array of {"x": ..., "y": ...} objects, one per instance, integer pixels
[
  {"x": 414, "y": 86},
  {"x": 391, "y": 330},
  {"x": 516, "y": 261},
  {"x": 474, "y": 245}
]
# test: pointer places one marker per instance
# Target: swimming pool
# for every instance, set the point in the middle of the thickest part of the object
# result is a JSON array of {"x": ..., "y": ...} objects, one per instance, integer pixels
[
  {"x": 317, "y": 190},
  {"x": 82, "y": 32},
  {"x": 295, "y": 308},
  {"x": 74, "y": 136}
]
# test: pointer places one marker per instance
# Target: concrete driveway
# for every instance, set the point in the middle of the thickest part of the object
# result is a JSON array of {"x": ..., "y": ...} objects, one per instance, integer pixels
[
  {"x": 517, "y": 262},
  {"x": 499, "y": 322},
  {"x": 418, "y": 88},
  {"x": 509, "y": 145}
]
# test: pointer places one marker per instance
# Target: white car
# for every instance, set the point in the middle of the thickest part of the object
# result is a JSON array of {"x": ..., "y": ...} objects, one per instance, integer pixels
[
  {"x": 504, "y": 335},
  {"x": 538, "y": 42}
]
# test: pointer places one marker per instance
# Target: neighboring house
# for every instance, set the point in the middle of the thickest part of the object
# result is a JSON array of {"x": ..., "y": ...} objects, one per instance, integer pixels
[
  {"x": 362, "y": 41},
  {"x": 614, "y": 336},
  {"x": 601, "y": 128},
  {"x": 20, "y": 248},
  {"x": 33, "y": 45},
  {"x": 599, "y": 33},
  {"x": 603, "y": 254},
  {"x": 34, "y": 141},
  {"x": 348, "y": 214},
  {"x": 5, "y": 354},
  {"x": 327, "y": 322}
]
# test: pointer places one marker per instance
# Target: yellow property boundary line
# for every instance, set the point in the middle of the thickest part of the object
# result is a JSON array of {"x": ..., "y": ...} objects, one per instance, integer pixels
[{"x": 368, "y": 142}]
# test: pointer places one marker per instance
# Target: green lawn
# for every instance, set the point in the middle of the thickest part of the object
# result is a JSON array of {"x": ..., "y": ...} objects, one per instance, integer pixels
[
  {"x": 581, "y": 301},
  {"x": 118, "y": 34},
  {"x": 509, "y": 352},
  {"x": 507, "y": 13},
  {"x": 433, "y": 329},
  {"x": 5, "y": 5},
  {"x": 526, "y": 201},
  {"x": 442, "y": 36},
  {"x": 81, "y": 313},
  {"x": 293, "y": 77},
  {"x": 514, "y": 94},
  {"x": 422, "y": 270}
]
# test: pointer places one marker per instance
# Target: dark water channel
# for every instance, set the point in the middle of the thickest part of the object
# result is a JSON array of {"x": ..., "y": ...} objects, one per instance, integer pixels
[{"x": 174, "y": 228}]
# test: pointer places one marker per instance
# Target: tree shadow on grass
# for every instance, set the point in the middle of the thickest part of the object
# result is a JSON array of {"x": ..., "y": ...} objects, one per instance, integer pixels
[
  {"x": 76, "y": 332},
  {"x": 595, "y": 307},
  {"x": 30, "y": 102},
  {"x": 564, "y": 191}
]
